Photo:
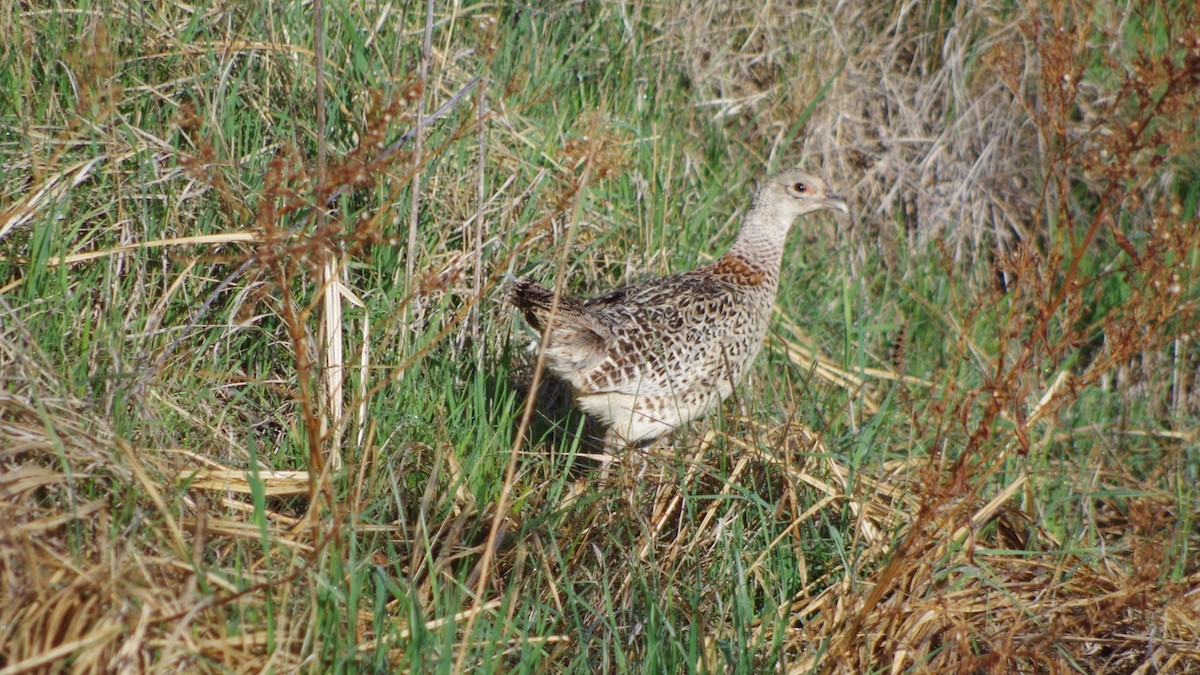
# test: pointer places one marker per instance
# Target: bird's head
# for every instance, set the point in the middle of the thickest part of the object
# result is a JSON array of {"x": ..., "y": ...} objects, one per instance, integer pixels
[{"x": 794, "y": 193}]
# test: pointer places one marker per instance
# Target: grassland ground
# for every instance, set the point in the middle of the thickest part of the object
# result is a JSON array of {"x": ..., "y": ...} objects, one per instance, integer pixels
[{"x": 262, "y": 409}]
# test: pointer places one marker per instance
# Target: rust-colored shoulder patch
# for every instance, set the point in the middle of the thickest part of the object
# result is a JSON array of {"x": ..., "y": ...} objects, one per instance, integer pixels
[{"x": 738, "y": 270}]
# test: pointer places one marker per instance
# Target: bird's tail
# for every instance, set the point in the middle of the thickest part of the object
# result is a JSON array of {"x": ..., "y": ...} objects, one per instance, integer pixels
[
  {"x": 535, "y": 301},
  {"x": 576, "y": 342}
]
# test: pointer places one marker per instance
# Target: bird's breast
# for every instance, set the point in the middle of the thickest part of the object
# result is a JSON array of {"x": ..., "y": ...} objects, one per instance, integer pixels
[{"x": 738, "y": 270}]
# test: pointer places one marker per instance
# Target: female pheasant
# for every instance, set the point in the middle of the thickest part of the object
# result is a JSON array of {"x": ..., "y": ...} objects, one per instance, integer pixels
[{"x": 647, "y": 358}]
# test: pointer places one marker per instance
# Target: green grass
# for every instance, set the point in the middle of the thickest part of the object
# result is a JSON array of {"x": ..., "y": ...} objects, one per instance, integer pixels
[{"x": 833, "y": 517}]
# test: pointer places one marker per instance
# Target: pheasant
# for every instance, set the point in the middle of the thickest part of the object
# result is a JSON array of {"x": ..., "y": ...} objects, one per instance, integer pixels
[{"x": 647, "y": 358}]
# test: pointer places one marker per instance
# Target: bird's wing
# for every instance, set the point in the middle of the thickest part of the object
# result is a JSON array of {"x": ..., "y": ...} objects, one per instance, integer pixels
[{"x": 656, "y": 337}]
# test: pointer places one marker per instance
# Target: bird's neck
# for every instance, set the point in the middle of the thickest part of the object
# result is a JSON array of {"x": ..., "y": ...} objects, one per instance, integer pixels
[{"x": 760, "y": 242}]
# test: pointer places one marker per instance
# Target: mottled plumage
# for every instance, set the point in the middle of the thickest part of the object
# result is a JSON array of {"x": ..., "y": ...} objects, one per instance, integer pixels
[{"x": 647, "y": 358}]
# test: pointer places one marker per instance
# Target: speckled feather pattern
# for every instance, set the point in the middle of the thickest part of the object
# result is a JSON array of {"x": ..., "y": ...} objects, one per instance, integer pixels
[{"x": 648, "y": 357}]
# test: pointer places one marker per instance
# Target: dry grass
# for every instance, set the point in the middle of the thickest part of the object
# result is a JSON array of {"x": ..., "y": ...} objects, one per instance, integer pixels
[{"x": 237, "y": 436}]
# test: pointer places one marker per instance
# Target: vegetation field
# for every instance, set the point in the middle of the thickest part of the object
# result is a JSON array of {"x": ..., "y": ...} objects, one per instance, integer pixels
[{"x": 263, "y": 407}]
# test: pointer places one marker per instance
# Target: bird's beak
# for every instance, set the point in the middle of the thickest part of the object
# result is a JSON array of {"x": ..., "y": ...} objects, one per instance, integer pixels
[{"x": 835, "y": 202}]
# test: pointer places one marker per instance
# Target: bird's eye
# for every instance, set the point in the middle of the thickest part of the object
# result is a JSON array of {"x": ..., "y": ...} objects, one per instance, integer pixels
[{"x": 800, "y": 187}]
